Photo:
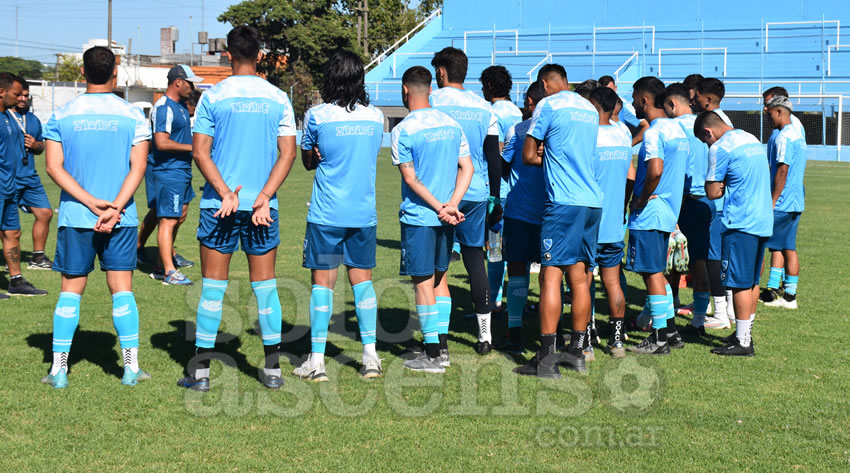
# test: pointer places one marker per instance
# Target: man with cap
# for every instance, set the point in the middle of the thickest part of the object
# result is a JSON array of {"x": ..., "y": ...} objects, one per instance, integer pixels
[
  {"x": 172, "y": 166},
  {"x": 786, "y": 152}
]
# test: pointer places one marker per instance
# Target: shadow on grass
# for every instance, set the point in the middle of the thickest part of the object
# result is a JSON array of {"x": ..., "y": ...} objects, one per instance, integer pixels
[
  {"x": 391, "y": 244},
  {"x": 98, "y": 348},
  {"x": 179, "y": 343}
]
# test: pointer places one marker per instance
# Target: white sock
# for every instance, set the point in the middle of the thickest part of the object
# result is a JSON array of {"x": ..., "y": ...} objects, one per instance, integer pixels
[
  {"x": 719, "y": 306},
  {"x": 131, "y": 358},
  {"x": 742, "y": 331},
  {"x": 202, "y": 373},
  {"x": 369, "y": 352},
  {"x": 60, "y": 360},
  {"x": 730, "y": 305},
  {"x": 271, "y": 372},
  {"x": 316, "y": 358},
  {"x": 484, "y": 327}
]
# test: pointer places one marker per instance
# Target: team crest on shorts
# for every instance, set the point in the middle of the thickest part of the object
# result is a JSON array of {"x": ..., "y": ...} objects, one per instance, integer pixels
[
  {"x": 547, "y": 256},
  {"x": 724, "y": 266},
  {"x": 547, "y": 244},
  {"x": 304, "y": 253}
]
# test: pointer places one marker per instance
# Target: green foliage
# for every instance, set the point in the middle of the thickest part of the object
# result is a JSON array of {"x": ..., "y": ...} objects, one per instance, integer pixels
[
  {"x": 25, "y": 68},
  {"x": 69, "y": 68}
]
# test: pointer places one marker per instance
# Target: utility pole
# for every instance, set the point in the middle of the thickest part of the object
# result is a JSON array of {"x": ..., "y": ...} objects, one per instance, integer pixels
[
  {"x": 109, "y": 28},
  {"x": 366, "y": 27},
  {"x": 202, "y": 20},
  {"x": 16, "y": 29}
]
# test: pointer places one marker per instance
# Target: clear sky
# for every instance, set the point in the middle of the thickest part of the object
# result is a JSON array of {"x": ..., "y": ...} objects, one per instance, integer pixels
[{"x": 47, "y": 27}]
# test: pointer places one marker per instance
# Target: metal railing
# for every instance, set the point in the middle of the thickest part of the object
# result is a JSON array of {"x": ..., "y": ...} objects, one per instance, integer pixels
[
  {"x": 549, "y": 57},
  {"x": 614, "y": 28},
  {"x": 816, "y": 22},
  {"x": 404, "y": 38},
  {"x": 378, "y": 88},
  {"x": 829, "y": 49},
  {"x": 493, "y": 32},
  {"x": 620, "y": 69},
  {"x": 407, "y": 54},
  {"x": 692, "y": 49}
]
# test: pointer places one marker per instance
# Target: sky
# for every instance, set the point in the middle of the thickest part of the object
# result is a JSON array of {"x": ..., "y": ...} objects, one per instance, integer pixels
[{"x": 47, "y": 27}]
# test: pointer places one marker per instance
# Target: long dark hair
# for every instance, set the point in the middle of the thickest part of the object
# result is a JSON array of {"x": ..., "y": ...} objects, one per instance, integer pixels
[{"x": 345, "y": 81}]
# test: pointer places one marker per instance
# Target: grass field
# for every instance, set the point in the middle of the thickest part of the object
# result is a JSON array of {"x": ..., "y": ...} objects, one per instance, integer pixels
[{"x": 785, "y": 409}]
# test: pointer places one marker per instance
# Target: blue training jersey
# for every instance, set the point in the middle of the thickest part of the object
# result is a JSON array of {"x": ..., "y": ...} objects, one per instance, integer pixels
[
  {"x": 476, "y": 117},
  {"x": 173, "y": 118},
  {"x": 11, "y": 153},
  {"x": 26, "y": 174},
  {"x": 349, "y": 142},
  {"x": 568, "y": 124},
  {"x": 627, "y": 115},
  {"x": 507, "y": 115},
  {"x": 97, "y": 132},
  {"x": 697, "y": 157},
  {"x": 789, "y": 147},
  {"x": 527, "y": 197},
  {"x": 664, "y": 140},
  {"x": 739, "y": 160},
  {"x": 245, "y": 115},
  {"x": 434, "y": 142},
  {"x": 614, "y": 157}
]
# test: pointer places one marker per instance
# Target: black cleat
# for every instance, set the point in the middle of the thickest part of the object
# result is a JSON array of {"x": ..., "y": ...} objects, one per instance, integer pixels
[
  {"x": 454, "y": 257},
  {"x": 483, "y": 348},
  {"x": 675, "y": 340},
  {"x": 690, "y": 331},
  {"x": 510, "y": 346},
  {"x": 22, "y": 287},
  {"x": 734, "y": 349},
  {"x": 271, "y": 381},
  {"x": 202, "y": 385},
  {"x": 729, "y": 339},
  {"x": 769, "y": 295},
  {"x": 547, "y": 368},
  {"x": 650, "y": 346}
]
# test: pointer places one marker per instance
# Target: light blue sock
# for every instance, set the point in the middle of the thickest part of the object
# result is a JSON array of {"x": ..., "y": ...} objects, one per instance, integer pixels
[
  {"x": 66, "y": 317},
  {"x": 321, "y": 303},
  {"x": 700, "y": 308},
  {"x": 428, "y": 318},
  {"x": 125, "y": 317},
  {"x": 782, "y": 274},
  {"x": 791, "y": 285},
  {"x": 444, "y": 313},
  {"x": 209, "y": 312},
  {"x": 658, "y": 309},
  {"x": 456, "y": 247},
  {"x": 366, "y": 307},
  {"x": 517, "y": 297},
  {"x": 268, "y": 310},
  {"x": 775, "y": 278},
  {"x": 671, "y": 308},
  {"x": 496, "y": 276}
]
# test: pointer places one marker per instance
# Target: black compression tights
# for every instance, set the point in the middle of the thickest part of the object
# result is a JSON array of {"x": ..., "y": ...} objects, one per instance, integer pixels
[
  {"x": 479, "y": 286},
  {"x": 717, "y": 287}
]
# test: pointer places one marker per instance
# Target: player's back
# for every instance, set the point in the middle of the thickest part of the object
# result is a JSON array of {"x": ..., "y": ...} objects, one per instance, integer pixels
[
  {"x": 739, "y": 160},
  {"x": 244, "y": 115},
  {"x": 664, "y": 140},
  {"x": 434, "y": 142},
  {"x": 349, "y": 142},
  {"x": 527, "y": 196},
  {"x": 568, "y": 124},
  {"x": 507, "y": 115},
  {"x": 97, "y": 132},
  {"x": 697, "y": 157},
  {"x": 789, "y": 148},
  {"x": 614, "y": 157},
  {"x": 475, "y": 115}
]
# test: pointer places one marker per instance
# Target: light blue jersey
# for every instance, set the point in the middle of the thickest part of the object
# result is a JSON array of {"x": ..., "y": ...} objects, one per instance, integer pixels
[
  {"x": 245, "y": 115},
  {"x": 26, "y": 174},
  {"x": 789, "y": 147},
  {"x": 11, "y": 153},
  {"x": 97, "y": 132},
  {"x": 434, "y": 142},
  {"x": 796, "y": 123},
  {"x": 614, "y": 157},
  {"x": 476, "y": 117},
  {"x": 739, "y": 160},
  {"x": 527, "y": 197},
  {"x": 349, "y": 142},
  {"x": 627, "y": 115},
  {"x": 507, "y": 115},
  {"x": 172, "y": 117},
  {"x": 568, "y": 125},
  {"x": 697, "y": 157},
  {"x": 664, "y": 140}
]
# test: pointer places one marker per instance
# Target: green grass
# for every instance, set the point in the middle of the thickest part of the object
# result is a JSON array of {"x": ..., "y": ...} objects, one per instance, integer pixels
[{"x": 785, "y": 409}]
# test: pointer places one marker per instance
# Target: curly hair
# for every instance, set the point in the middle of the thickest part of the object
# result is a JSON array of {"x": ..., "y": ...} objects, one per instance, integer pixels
[
  {"x": 345, "y": 84},
  {"x": 496, "y": 82}
]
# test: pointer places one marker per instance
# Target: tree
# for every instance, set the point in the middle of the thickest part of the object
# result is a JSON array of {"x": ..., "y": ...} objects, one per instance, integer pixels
[
  {"x": 25, "y": 68},
  {"x": 69, "y": 68}
]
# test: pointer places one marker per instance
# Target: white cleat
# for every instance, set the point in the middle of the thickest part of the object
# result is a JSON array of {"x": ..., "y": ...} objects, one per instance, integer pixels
[
  {"x": 314, "y": 370},
  {"x": 717, "y": 322}
]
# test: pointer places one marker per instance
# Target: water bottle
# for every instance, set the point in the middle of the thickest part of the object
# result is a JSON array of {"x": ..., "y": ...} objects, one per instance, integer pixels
[{"x": 494, "y": 241}]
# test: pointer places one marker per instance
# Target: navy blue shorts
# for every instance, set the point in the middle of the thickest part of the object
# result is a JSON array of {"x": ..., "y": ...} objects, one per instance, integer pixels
[
  {"x": 521, "y": 241},
  {"x": 150, "y": 187},
  {"x": 9, "y": 219},
  {"x": 471, "y": 231},
  {"x": 425, "y": 250},
  {"x": 715, "y": 238},
  {"x": 609, "y": 255},
  {"x": 225, "y": 234},
  {"x": 784, "y": 231},
  {"x": 173, "y": 191},
  {"x": 647, "y": 251},
  {"x": 76, "y": 249},
  {"x": 742, "y": 257},
  {"x": 568, "y": 235},
  {"x": 326, "y": 247},
  {"x": 31, "y": 196},
  {"x": 695, "y": 220}
]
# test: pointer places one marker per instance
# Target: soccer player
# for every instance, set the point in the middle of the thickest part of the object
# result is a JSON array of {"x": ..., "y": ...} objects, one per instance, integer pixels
[
  {"x": 12, "y": 152},
  {"x": 496, "y": 85},
  {"x": 691, "y": 82},
  {"x": 697, "y": 211},
  {"x": 654, "y": 209},
  {"x": 613, "y": 162},
  {"x": 341, "y": 141},
  {"x": 566, "y": 125},
  {"x": 172, "y": 167},
  {"x": 29, "y": 192},
  {"x": 787, "y": 153},
  {"x": 522, "y": 220},
  {"x": 481, "y": 202},
  {"x": 626, "y": 114},
  {"x": 244, "y": 145},
  {"x": 96, "y": 151},
  {"x": 707, "y": 96},
  {"x": 585, "y": 88},
  {"x": 781, "y": 92},
  {"x": 432, "y": 155},
  {"x": 736, "y": 168}
]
